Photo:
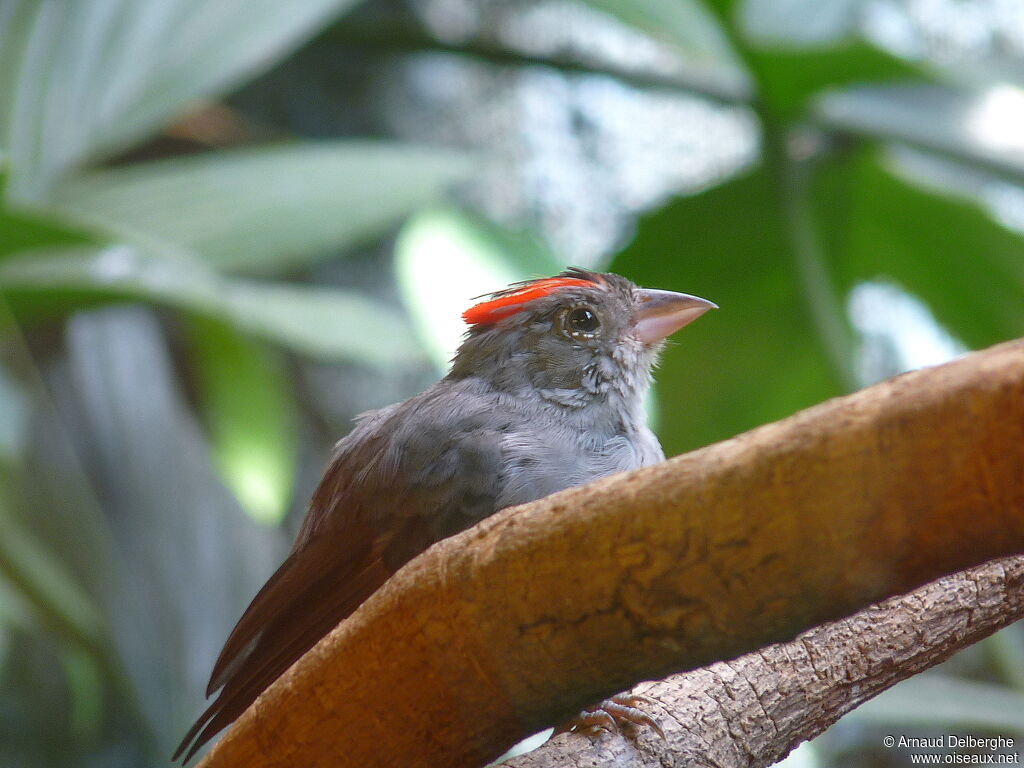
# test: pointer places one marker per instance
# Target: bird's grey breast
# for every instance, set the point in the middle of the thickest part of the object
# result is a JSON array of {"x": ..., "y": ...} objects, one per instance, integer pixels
[{"x": 549, "y": 456}]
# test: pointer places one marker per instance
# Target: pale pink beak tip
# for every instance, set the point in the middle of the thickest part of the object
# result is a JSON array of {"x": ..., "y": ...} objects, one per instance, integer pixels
[{"x": 662, "y": 313}]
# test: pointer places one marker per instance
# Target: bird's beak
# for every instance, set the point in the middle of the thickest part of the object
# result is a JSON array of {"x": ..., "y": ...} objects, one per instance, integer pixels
[{"x": 662, "y": 313}]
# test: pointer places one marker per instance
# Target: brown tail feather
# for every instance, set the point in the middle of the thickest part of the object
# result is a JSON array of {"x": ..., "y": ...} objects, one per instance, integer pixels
[
  {"x": 267, "y": 604},
  {"x": 253, "y": 677},
  {"x": 312, "y": 591}
]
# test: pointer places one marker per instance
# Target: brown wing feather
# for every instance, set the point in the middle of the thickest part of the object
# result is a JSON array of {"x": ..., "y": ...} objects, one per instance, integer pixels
[
  {"x": 268, "y": 603},
  {"x": 321, "y": 562},
  {"x": 313, "y": 590},
  {"x": 363, "y": 524}
]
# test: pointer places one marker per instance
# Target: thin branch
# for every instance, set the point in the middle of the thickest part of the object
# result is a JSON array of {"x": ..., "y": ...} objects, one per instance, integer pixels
[
  {"x": 752, "y": 711},
  {"x": 397, "y": 38},
  {"x": 540, "y": 610},
  {"x": 792, "y": 158}
]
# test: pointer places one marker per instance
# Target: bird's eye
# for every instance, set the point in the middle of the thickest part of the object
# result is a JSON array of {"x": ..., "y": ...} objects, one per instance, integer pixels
[{"x": 579, "y": 322}]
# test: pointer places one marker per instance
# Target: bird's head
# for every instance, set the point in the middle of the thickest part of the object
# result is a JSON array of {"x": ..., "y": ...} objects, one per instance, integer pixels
[{"x": 576, "y": 338}]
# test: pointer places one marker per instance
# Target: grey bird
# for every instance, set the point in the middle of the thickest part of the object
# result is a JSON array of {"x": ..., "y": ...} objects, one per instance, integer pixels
[{"x": 545, "y": 392}]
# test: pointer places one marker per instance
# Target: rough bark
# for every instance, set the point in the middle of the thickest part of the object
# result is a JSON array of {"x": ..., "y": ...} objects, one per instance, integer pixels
[
  {"x": 750, "y": 712},
  {"x": 519, "y": 622}
]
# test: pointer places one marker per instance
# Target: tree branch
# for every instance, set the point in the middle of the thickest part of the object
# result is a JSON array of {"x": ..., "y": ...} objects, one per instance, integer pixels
[
  {"x": 540, "y": 610},
  {"x": 750, "y": 712}
]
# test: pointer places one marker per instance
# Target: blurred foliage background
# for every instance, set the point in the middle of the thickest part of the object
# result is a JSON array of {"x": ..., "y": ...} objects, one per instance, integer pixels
[{"x": 227, "y": 226}]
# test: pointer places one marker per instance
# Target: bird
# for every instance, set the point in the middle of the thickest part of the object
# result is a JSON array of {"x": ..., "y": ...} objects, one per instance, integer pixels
[{"x": 545, "y": 392}]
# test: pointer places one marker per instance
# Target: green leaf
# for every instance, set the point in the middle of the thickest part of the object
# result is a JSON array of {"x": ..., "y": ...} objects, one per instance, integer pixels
[
  {"x": 1006, "y": 650},
  {"x": 267, "y": 208},
  {"x": 790, "y": 79},
  {"x": 758, "y": 358},
  {"x": 787, "y": 79},
  {"x": 938, "y": 700},
  {"x": 42, "y": 581},
  {"x": 327, "y": 323},
  {"x": 798, "y": 23},
  {"x": 321, "y": 322},
  {"x": 16, "y": 19},
  {"x": 185, "y": 557},
  {"x": 948, "y": 252},
  {"x": 23, "y": 229},
  {"x": 444, "y": 258},
  {"x": 695, "y": 34},
  {"x": 981, "y": 128},
  {"x": 251, "y": 416},
  {"x": 14, "y": 415},
  {"x": 85, "y": 685},
  {"x": 83, "y": 80}
]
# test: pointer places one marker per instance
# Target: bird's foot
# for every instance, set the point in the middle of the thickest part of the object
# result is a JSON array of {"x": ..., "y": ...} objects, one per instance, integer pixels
[{"x": 611, "y": 714}]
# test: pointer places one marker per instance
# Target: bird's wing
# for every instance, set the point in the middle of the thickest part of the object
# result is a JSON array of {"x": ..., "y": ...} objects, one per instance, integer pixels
[
  {"x": 393, "y": 488},
  {"x": 313, "y": 590}
]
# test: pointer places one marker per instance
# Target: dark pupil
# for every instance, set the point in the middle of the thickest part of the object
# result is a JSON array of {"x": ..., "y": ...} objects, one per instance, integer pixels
[{"x": 583, "y": 320}]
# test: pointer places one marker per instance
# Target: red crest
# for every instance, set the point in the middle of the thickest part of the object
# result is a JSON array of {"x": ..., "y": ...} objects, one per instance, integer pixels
[{"x": 515, "y": 299}]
